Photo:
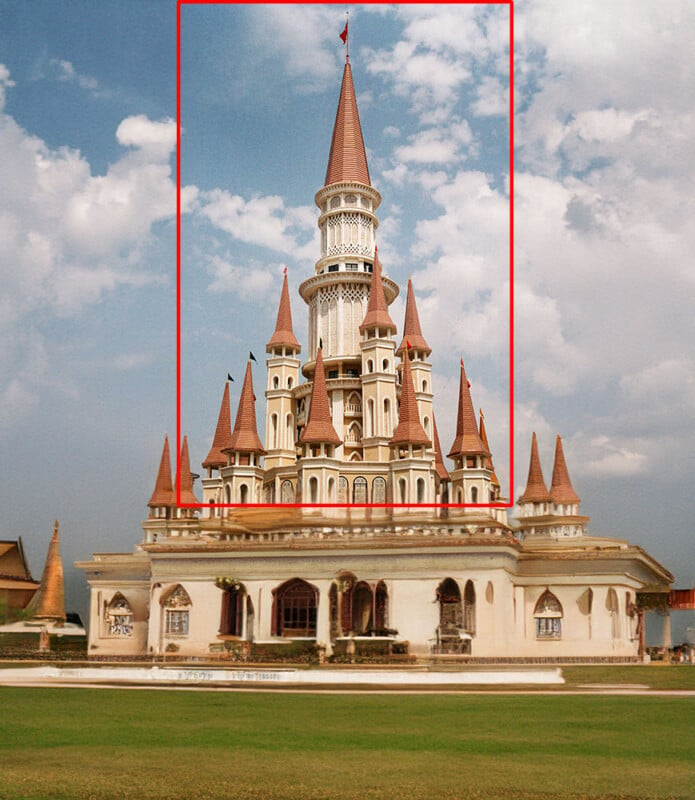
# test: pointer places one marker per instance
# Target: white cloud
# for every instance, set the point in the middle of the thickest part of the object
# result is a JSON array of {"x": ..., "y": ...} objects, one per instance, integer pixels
[
  {"x": 492, "y": 98},
  {"x": 130, "y": 361},
  {"x": 157, "y": 138},
  {"x": 247, "y": 283},
  {"x": 441, "y": 145},
  {"x": 66, "y": 72}
]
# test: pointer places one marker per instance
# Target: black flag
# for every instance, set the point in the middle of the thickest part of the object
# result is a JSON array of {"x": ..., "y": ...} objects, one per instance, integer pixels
[
  {"x": 229, "y": 378},
  {"x": 321, "y": 344},
  {"x": 252, "y": 357}
]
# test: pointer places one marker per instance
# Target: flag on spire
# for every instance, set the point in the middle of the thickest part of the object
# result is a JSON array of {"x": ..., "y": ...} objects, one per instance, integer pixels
[{"x": 344, "y": 34}]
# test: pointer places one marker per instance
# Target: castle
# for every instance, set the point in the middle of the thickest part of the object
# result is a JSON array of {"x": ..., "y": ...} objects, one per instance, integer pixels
[{"x": 346, "y": 529}]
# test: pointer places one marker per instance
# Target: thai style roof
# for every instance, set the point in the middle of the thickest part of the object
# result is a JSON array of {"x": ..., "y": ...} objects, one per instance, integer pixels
[
  {"x": 488, "y": 459},
  {"x": 347, "y": 161},
  {"x": 467, "y": 441},
  {"x": 186, "y": 476},
  {"x": 409, "y": 429},
  {"x": 438, "y": 460},
  {"x": 377, "y": 315},
  {"x": 319, "y": 428},
  {"x": 223, "y": 434},
  {"x": 163, "y": 494},
  {"x": 49, "y": 601},
  {"x": 561, "y": 489},
  {"x": 283, "y": 334},
  {"x": 245, "y": 434},
  {"x": 412, "y": 332},
  {"x": 13, "y": 562},
  {"x": 536, "y": 491}
]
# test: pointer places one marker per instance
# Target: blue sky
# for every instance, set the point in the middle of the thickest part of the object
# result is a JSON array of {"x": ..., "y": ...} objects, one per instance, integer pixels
[{"x": 604, "y": 210}]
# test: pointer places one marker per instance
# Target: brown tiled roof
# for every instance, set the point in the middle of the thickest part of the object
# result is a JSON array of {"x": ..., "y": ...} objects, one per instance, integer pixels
[
  {"x": 488, "y": 459},
  {"x": 409, "y": 429},
  {"x": 49, "y": 602},
  {"x": 245, "y": 434},
  {"x": 438, "y": 460},
  {"x": 347, "y": 161},
  {"x": 283, "y": 334},
  {"x": 411, "y": 327},
  {"x": 536, "y": 491},
  {"x": 561, "y": 488},
  {"x": 186, "y": 476},
  {"x": 377, "y": 315},
  {"x": 163, "y": 494},
  {"x": 223, "y": 434},
  {"x": 319, "y": 428},
  {"x": 467, "y": 441}
]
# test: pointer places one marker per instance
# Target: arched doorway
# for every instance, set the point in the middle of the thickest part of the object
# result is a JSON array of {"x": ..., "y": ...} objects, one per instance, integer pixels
[
  {"x": 362, "y": 608},
  {"x": 295, "y": 609}
]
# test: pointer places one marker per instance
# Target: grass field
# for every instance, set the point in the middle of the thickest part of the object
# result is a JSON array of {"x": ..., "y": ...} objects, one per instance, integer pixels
[{"x": 99, "y": 743}]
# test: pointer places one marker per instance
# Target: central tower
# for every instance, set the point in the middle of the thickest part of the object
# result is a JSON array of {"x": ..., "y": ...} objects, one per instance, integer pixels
[{"x": 338, "y": 292}]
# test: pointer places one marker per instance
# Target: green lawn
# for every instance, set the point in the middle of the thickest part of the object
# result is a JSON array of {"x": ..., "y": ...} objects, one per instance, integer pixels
[{"x": 94, "y": 743}]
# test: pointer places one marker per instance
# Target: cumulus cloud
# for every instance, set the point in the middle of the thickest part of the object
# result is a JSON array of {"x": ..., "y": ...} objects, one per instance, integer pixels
[{"x": 246, "y": 283}]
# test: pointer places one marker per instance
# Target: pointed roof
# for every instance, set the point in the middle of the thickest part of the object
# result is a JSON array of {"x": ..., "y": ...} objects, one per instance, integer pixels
[
  {"x": 488, "y": 459},
  {"x": 245, "y": 434},
  {"x": 49, "y": 602},
  {"x": 186, "y": 476},
  {"x": 438, "y": 460},
  {"x": 163, "y": 494},
  {"x": 561, "y": 488},
  {"x": 409, "y": 429},
  {"x": 319, "y": 428},
  {"x": 411, "y": 327},
  {"x": 536, "y": 491},
  {"x": 223, "y": 434},
  {"x": 377, "y": 315},
  {"x": 467, "y": 441},
  {"x": 347, "y": 161},
  {"x": 283, "y": 334}
]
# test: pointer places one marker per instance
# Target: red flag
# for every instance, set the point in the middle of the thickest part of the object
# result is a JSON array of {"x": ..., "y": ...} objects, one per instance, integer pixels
[
  {"x": 407, "y": 345},
  {"x": 344, "y": 34},
  {"x": 284, "y": 271}
]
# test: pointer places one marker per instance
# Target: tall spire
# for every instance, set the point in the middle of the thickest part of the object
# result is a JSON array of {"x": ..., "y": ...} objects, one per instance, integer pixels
[
  {"x": 223, "y": 434},
  {"x": 49, "y": 602},
  {"x": 245, "y": 434},
  {"x": 438, "y": 460},
  {"x": 347, "y": 162},
  {"x": 319, "y": 428},
  {"x": 561, "y": 489},
  {"x": 163, "y": 494},
  {"x": 488, "y": 459},
  {"x": 467, "y": 441},
  {"x": 283, "y": 334},
  {"x": 409, "y": 429},
  {"x": 536, "y": 491},
  {"x": 377, "y": 315},
  {"x": 412, "y": 333},
  {"x": 186, "y": 476}
]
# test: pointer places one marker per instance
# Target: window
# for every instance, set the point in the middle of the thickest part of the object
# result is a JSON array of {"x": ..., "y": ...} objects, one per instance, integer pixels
[
  {"x": 332, "y": 267},
  {"x": 176, "y": 623},
  {"x": 286, "y": 492},
  {"x": 295, "y": 609},
  {"x": 351, "y": 267},
  {"x": 379, "y": 490},
  {"x": 332, "y": 374},
  {"x": 474, "y": 494},
  {"x": 548, "y": 614},
  {"x": 469, "y": 608},
  {"x": 119, "y": 617},
  {"x": 177, "y": 606},
  {"x": 359, "y": 490},
  {"x": 276, "y": 382}
]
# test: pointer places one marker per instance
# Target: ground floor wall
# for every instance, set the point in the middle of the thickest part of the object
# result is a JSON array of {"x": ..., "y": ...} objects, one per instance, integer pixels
[{"x": 439, "y": 601}]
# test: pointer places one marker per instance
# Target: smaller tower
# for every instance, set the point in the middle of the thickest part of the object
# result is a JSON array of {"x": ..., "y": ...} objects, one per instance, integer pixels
[
  {"x": 470, "y": 480},
  {"x": 49, "y": 602},
  {"x": 163, "y": 500},
  {"x": 243, "y": 477},
  {"x": 416, "y": 348},
  {"x": 283, "y": 376},
  {"x": 442, "y": 484},
  {"x": 319, "y": 468},
  {"x": 217, "y": 457},
  {"x": 185, "y": 485},
  {"x": 378, "y": 372},
  {"x": 565, "y": 509},
  {"x": 412, "y": 472}
]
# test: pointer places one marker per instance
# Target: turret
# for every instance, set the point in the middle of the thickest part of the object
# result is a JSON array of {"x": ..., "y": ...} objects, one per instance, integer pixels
[
  {"x": 163, "y": 499},
  {"x": 49, "y": 602},
  {"x": 185, "y": 485}
]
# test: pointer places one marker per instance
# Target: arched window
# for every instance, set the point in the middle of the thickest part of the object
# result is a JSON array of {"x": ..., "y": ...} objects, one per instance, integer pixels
[
  {"x": 276, "y": 382},
  {"x": 295, "y": 606},
  {"x": 425, "y": 386},
  {"x": 469, "y": 608},
  {"x": 235, "y": 602},
  {"x": 290, "y": 383},
  {"x": 289, "y": 432},
  {"x": 331, "y": 490},
  {"x": 403, "y": 490},
  {"x": 420, "y": 490},
  {"x": 370, "y": 417},
  {"x": 228, "y": 493},
  {"x": 274, "y": 431},
  {"x": 354, "y": 433},
  {"x": 119, "y": 617},
  {"x": 613, "y": 612},
  {"x": 474, "y": 494},
  {"x": 177, "y": 606},
  {"x": 343, "y": 487},
  {"x": 381, "y": 609},
  {"x": 426, "y": 425},
  {"x": 490, "y": 592},
  {"x": 548, "y": 614},
  {"x": 243, "y": 494},
  {"x": 313, "y": 489},
  {"x": 387, "y": 417},
  {"x": 362, "y": 608},
  {"x": 459, "y": 497},
  {"x": 370, "y": 365},
  {"x": 450, "y": 607},
  {"x": 359, "y": 490},
  {"x": 385, "y": 365},
  {"x": 286, "y": 492},
  {"x": 378, "y": 490}
]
